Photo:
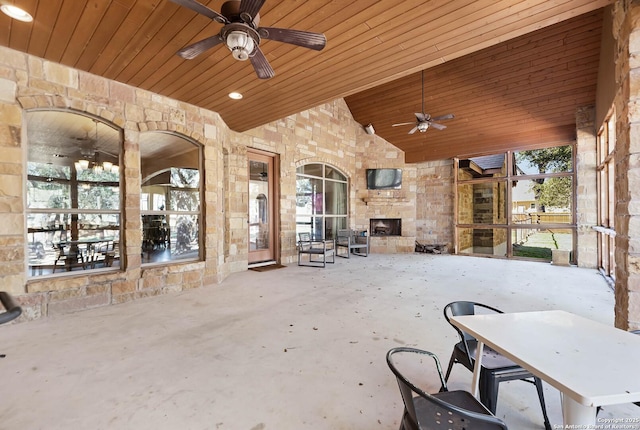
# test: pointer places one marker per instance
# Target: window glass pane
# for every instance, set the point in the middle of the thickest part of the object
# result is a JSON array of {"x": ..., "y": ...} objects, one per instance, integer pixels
[
  {"x": 318, "y": 197},
  {"x": 311, "y": 169},
  {"x": 611, "y": 134},
  {"x": 48, "y": 171},
  {"x": 98, "y": 196},
  {"x": 331, "y": 173},
  {"x": 181, "y": 200},
  {"x": 309, "y": 196},
  {"x": 542, "y": 201},
  {"x": 184, "y": 236},
  {"x": 311, "y": 225},
  {"x": 336, "y": 198},
  {"x": 548, "y": 160},
  {"x": 66, "y": 242},
  {"x": 539, "y": 243},
  {"x": 610, "y": 204},
  {"x": 170, "y": 197},
  {"x": 332, "y": 225},
  {"x": 482, "y": 203},
  {"x": 43, "y": 194},
  {"x": 489, "y": 166},
  {"x": 72, "y": 167},
  {"x": 491, "y": 241}
]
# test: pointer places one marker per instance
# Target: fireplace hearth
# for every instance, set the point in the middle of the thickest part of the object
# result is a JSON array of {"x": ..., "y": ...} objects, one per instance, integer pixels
[{"x": 385, "y": 226}]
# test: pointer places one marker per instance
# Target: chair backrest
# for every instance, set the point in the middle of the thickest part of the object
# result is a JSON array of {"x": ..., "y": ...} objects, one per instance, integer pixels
[
  {"x": 304, "y": 237},
  {"x": 439, "y": 413},
  {"x": 458, "y": 308}
]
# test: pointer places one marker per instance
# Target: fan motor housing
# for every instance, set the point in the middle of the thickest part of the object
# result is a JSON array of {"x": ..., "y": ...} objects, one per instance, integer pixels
[{"x": 231, "y": 10}]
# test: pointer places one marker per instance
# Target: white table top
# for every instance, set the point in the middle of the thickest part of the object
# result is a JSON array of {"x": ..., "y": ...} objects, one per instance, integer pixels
[{"x": 593, "y": 363}]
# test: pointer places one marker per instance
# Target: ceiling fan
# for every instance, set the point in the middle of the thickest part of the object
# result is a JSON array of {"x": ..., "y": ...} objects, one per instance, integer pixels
[
  {"x": 242, "y": 35},
  {"x": 424, "y": 120}
]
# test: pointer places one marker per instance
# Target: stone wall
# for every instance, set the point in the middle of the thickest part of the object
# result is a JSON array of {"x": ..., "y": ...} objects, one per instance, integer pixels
[
  {"x": 435, "y": 203},
  {"x": 626, "y": 31},
  {"x": 325, "y": 134}
]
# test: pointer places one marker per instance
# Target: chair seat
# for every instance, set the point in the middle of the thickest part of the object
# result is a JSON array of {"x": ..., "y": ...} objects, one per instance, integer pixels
[
  {"x": 463, "y": 399},
  {"x": 318, "y": 251},
  {"x": 490, "y": 358},
  {"x": 426, "y": 410}
]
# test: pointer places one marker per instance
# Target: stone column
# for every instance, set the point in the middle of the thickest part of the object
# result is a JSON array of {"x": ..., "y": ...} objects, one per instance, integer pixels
[
  {"x": 626, "y": 31},
  {"x": 586, "y": 192}
]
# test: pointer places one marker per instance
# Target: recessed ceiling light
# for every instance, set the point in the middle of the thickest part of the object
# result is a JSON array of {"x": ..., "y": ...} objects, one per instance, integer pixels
[
  {"x": 236, "y": 96},
  {"x": 16, "y": 13}
]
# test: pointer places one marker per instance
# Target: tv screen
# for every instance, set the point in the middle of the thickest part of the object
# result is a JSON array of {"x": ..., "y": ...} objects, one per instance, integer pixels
[{"x": 384, "y": 179}]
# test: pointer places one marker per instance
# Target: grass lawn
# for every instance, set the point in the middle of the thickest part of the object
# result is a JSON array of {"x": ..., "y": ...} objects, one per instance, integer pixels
[{"x": 540, "y": 244}]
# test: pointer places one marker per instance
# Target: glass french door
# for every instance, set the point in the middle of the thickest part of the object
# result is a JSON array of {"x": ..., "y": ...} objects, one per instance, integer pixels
[{"x": 261, "y": 208}]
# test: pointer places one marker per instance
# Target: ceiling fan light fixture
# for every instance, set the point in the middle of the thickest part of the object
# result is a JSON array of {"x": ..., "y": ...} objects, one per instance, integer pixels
[
  {"x": 16, "y": 13},
  {"x": 84, "y": 164},
  {"x": 423, "y": 126},
  {"x": 240, "y": 44}
]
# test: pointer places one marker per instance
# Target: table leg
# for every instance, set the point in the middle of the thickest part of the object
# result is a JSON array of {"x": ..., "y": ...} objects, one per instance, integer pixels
[
  {"x": 576, "y": 414},
  {"x": 475, "y": 381}
]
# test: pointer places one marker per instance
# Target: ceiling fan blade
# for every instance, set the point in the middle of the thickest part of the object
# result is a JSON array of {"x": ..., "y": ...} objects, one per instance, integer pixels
[
  {"x": 261, "y": 65},
  {"x": 413, "y": 130},
  {"x": 306, "y": 39},
  {"x": 249, "y": 9},
  {"x": 421, "y": 116},
  {"x": 202, "y": 10},
  {"x": 403, "y": 123},
  {"x": 436, "y": 125},
  {"x": 192, "y": 51},
  {"x": 443, "y": 117}
]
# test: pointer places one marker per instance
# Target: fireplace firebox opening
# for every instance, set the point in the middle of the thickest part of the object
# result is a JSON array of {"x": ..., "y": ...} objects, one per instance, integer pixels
[{"x": 385, "y": 226}]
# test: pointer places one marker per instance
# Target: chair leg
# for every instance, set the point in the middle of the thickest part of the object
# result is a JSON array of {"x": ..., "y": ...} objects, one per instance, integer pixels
[
  {"x": 538, "y": 383},
  {"x": 451, "y": 362},
  {"x": 489, "y": 392}
]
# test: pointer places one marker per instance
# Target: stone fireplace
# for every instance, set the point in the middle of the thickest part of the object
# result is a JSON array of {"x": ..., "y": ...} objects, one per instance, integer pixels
[{"x": 385, "y": 226}]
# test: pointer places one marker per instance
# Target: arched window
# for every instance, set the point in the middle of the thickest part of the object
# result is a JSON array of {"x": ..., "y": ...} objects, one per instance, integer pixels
[
  {"x": 170, "y": 197},
  {"x": 73, "y": 193},
  {"x": 321, "y": 201}
]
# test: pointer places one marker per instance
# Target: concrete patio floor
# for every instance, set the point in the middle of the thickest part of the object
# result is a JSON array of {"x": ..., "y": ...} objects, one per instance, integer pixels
[{"x": 290, "y": 348}]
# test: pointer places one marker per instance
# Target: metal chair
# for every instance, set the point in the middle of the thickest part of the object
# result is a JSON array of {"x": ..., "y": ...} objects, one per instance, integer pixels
[
  {"x": 12, "y": 310},
  {"x": 320, "y": 252},
  {"x": 443, "y": 410},
  {"x": 496, "y": 368}
]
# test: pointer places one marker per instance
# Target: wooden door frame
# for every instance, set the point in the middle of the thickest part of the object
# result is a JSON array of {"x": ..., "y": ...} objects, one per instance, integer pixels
[{"x": 274, "y": 204}]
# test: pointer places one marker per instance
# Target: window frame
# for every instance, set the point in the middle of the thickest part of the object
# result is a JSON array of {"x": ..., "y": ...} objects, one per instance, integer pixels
[
  {"x": 168, "y": 228},
  {"x": 605, "y": 186},
  {"x": 76, "y": 253},
  {"x": 335, "y": 219},
  {"x": 510, "y": 229}
]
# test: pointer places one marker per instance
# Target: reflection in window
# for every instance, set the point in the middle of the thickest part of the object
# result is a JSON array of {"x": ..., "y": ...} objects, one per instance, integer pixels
[
  {"x": 489, "y": 241},
  {"x": 321, "y": 201},
  {"x": 538, "y": 187},
  {"x": 488, "y": 166},
  {"x": 482, "y": 203},
  {"x": 73, "y": 193},
  {"x": 170, "y": 198}
]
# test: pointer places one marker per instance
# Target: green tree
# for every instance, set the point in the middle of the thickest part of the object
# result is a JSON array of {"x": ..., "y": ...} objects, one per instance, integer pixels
[{"x": 550, "y": 192}]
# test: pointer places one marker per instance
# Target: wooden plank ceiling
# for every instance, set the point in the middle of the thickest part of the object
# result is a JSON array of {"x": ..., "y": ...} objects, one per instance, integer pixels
[{"x": 512, "y": 72}]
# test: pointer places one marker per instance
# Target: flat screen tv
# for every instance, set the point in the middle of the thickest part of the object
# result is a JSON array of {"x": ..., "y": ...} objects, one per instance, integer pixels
[{"x": 384, "y": 179}]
